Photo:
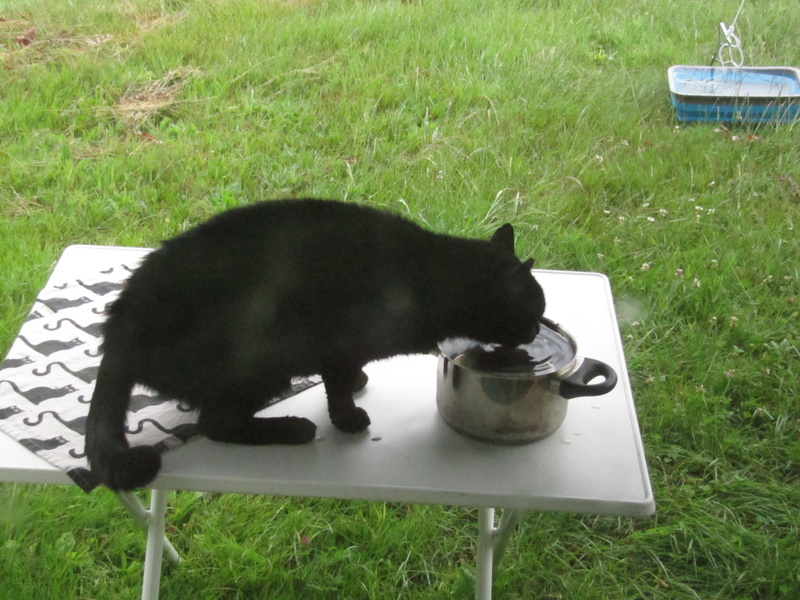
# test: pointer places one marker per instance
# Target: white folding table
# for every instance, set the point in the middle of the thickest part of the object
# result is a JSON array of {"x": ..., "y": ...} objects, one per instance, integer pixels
[{"x": 594, "y": 463}]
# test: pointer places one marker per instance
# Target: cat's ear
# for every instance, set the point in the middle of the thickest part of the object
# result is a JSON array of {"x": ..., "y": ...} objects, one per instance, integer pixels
[
  {"x": 528, "y": 264},
  {"x": 504, "y": 237}
]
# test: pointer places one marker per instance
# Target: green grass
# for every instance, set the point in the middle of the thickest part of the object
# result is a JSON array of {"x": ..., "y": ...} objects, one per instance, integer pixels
[{"x": 125, "y": 122}]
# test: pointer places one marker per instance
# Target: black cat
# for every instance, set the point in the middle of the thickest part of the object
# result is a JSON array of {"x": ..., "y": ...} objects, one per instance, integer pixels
[
  {"x": 93, "y": 329},
  {"x": 49, "y": 347},
  {"x": 222, "y": 316},
  {"x": 13, "y": 363},
  {"x": 87, "y": 375},
  {"x": 57, "y": 304},
  {"x": 37, "y": 395},
  {"x": 77, "y": 425}
]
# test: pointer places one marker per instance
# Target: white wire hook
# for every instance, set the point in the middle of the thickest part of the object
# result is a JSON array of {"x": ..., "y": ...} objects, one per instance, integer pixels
[
  {"x": 732, "y": 46},
  {"x": 730, "y": 52}
]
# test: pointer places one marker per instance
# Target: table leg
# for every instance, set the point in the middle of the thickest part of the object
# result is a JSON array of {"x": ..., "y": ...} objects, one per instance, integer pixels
[
  {"x": 508, "y": 521},
  {"x": 492, "y": 542},
  {"x": 153, "y": 523},
  {"x": 142, "y": 517},
  {"x": 483, "y": 573},
  {"x": 155, "y": 545}
]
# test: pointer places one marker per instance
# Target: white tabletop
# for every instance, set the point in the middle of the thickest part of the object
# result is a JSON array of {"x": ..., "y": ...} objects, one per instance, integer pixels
[{"x": 594, "y": 463}]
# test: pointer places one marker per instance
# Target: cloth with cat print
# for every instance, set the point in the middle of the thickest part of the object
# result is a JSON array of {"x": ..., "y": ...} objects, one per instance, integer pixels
[{"x": 47, "y": 378}]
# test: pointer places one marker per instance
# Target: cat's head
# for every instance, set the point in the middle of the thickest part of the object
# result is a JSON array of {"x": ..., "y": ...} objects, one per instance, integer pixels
[{"x": 516, "y": 300}]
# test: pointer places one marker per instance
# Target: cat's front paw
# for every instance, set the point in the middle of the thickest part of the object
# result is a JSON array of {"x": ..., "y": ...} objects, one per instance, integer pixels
[{"x": 354, "y": 421}]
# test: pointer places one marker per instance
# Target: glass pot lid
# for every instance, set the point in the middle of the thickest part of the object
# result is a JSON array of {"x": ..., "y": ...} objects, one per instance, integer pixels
[{"x": 551, "y": 350}]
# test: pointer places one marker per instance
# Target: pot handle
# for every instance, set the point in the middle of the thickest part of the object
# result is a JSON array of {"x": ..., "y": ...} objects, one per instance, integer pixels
[{"x": 577, "y": 384}]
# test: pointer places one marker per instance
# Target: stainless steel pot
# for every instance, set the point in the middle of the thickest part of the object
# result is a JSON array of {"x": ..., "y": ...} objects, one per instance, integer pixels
[{"x": 515, "y": 395}]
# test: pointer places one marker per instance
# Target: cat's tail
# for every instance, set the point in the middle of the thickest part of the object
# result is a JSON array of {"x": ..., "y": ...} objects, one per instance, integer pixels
[{"x": 111, "y": 460}]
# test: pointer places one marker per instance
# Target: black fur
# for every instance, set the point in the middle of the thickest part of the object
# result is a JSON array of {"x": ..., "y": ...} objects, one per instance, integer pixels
[{"x": 222, "y": 316}]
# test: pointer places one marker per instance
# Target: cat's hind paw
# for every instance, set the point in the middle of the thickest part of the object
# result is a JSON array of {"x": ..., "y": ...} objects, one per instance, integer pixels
[
  {"x": 295, "y": 430},
  {"x": 354, "y": 421}
]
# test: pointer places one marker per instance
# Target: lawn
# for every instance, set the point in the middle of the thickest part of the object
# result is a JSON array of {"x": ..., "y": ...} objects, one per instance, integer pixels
[{"x": 127, "y": 121}]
